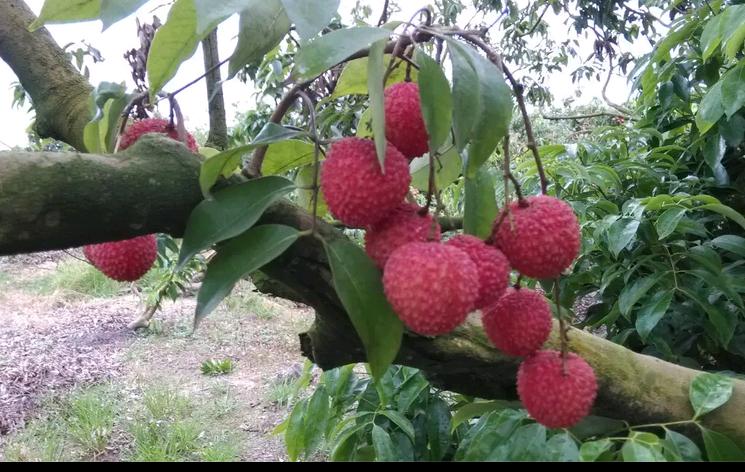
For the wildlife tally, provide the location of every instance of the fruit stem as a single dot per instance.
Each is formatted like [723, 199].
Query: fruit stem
[508, 176]
[316, 154]
[562, 328]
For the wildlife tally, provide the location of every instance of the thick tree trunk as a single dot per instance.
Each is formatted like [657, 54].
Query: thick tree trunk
[75, 199]
[59, 93]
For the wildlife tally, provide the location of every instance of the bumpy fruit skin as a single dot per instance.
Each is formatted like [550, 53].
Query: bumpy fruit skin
[153, 125]
[126, 260]
[404, 125]
[553, 399]
[404, 225]
[432, 287]
[540, 239]
[356, 191]
[492, 265]
[518, 323]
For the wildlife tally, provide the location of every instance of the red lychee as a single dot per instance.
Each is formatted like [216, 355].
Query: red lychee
[519, 322]
[153, 125]
[126, 260]
[404, 225]
[540, 239]
[404, 125]
[555, 397]
[493, 267]
[357, 192]
[432, 287]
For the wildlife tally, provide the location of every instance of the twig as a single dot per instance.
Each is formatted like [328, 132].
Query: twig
[584, 116]
[615, 106]
[538, 22]
[76, 257]
[206, 73]
[316, 153]
[562, 327]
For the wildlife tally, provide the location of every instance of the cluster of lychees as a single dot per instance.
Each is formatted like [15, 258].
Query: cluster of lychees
[433, 286]
[130, 259]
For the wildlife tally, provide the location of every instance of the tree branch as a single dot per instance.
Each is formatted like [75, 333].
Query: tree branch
[59, 93]
[218, 134]
[583, 116]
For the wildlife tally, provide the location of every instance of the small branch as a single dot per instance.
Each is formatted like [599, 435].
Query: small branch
[206, 73]
[218, 132]
[384, 15]
[615, 106]
[316, 153]
[538, 22]
[253, 167]
[584, 116]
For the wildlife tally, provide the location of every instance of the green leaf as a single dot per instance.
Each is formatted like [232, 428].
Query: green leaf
[436, 100]
[668, 221]
[711, 37]
[375, 72]
[115, 10]
[475, 409]
[401, 421]
[720, 448]
[562, 448]
[710, 109]
[642, 447]
[358, 284]
[262, 26]
[274, 133]
[592, 450]
[66, 11]
[733, 34]
[210, 12]
[733, 90]
[724, 210]
[295, 432]
[723, 322]
[634, 292]
[353, 78]
[287, 155]
[239, 257]
[384, 451]
[680, 448]
[652, 312]
[222, 164]
[438, 429]
[480, 205]
[528, 443]
[491, 431]
[731, 243]
[174, 42]
[346, 442]
[674, 38]
[621, 234]
[466, 96]
[229, 212]
[733, 130]
[708, 392]
[316, 420]
[713, 150]
[494, 107]
[330, 49]
[448, 168]
[310, 18]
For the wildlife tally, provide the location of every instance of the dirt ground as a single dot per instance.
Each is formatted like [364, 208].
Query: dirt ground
[51, 343]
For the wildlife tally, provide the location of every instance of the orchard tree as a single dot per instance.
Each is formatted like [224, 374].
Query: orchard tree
[403, 129]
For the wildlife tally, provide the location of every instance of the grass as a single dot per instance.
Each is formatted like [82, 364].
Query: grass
[217, 367]
[245, 302]
[75, 278]
[160, 425]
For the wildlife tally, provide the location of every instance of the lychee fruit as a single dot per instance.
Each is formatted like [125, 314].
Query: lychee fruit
[404, 124]
[519, 322]
[556, 395]
[153, 125]
[404, 225]
[126, 260]
[432, 287]
[357, 192]
[539, 236]
[492, 265]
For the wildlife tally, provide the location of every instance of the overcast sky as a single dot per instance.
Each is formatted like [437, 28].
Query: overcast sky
[238, 96]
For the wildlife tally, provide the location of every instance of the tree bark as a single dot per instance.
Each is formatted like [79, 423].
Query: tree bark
[77, 199]
[218, 134]
[59, 93]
